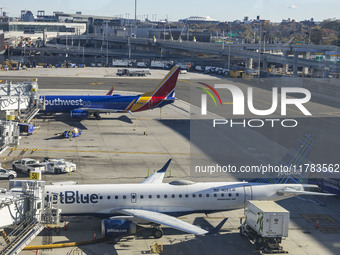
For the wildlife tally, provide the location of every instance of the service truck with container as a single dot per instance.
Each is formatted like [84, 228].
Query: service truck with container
[266, 223]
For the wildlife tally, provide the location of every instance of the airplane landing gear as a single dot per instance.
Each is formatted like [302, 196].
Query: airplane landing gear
[97, 116]
[157, 232]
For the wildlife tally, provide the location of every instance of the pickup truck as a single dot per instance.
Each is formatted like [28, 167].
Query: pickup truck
[58, 166]
[27, 165]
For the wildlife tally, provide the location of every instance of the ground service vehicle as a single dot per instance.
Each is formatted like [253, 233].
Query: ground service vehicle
[133, 72]
[26, 128]
[266, 223]
[7, 174]
[58, 166]
[27, 165]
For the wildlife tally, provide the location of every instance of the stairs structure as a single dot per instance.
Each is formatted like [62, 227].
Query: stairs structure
[21, 236]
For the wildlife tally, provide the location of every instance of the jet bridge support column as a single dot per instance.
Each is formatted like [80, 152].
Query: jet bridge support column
[249, 63]
[295, 65]
[305, 70]
[285, 66]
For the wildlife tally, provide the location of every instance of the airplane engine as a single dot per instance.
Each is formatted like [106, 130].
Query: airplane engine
[79, 114]
[118, 226]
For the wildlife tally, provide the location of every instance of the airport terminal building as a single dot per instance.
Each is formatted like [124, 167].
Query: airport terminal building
[17, 28]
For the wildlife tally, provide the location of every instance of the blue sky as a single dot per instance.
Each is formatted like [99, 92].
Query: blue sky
[222, 10]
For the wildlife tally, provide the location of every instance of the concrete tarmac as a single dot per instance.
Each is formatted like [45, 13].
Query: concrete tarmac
[126, 149]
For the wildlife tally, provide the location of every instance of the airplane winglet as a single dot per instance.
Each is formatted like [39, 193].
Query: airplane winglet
[157, 177]
[217, 229]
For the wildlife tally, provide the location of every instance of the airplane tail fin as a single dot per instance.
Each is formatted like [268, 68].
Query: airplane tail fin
[158, 176]
[217, 229]
[110, 91]
[167, 86]
[296, 156]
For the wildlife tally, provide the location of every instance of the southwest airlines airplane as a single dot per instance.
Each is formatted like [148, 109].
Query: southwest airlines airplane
[153, 202]
[82, 106]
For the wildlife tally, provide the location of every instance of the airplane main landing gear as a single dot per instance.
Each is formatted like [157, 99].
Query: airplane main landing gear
[157, 232]
[96, 115]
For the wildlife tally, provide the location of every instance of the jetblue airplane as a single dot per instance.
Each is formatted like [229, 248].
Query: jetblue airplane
[82, 106]
[125, 206]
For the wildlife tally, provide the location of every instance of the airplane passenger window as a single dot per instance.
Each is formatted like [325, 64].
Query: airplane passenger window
[173, 196]
[124, 197]
[141, 196]
[207, 195]
[108, 197]
[180, 195]
[186, 195]
[100, 197]
[229, 194]
[237, 194]
[158, 196]
[116, 197]
[165, 196]
[200, 195]
[222, 195]
[215, 195]
[193, 195]
[150, 196]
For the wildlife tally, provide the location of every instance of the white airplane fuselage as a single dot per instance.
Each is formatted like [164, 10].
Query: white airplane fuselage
[102, 200]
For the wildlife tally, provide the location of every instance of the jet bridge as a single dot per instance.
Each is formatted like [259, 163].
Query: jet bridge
[9, 134]
[22, 98]
[19, 102]
[24, 207]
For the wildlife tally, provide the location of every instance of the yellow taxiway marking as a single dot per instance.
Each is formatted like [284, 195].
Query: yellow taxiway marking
[124, 152]
[187, 81]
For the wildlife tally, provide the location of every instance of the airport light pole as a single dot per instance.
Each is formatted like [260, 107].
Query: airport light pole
[107, 44]
[136, 18]
[259, 51]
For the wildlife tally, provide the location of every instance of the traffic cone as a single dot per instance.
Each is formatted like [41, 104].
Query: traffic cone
[317, 224]
[94, 236]
[65, 228]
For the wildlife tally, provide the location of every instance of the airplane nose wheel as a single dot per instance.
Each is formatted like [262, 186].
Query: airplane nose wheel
[157, 233]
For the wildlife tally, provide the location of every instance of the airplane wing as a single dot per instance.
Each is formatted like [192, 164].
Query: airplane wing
[164, 219]
[302, 192]
[157, 177]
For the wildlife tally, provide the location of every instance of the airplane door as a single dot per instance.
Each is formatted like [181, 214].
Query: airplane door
[248, 193]
[133, 198]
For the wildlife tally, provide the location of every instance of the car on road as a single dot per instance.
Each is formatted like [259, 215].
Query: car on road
[7, 174]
